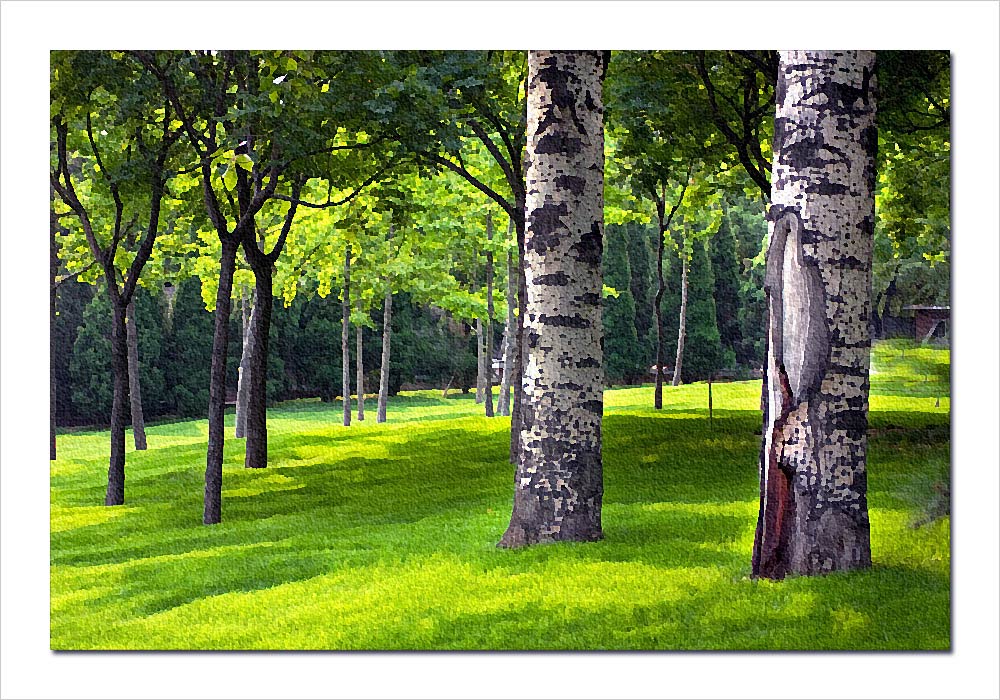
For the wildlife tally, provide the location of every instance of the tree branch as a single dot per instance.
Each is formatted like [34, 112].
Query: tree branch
[507, 206]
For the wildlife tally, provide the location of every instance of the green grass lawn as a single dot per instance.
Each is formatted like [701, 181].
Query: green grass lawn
[382, 536]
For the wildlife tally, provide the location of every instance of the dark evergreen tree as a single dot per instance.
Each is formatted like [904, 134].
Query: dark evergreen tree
[726, 270]
[623, 354]
[187, 352]
[703, 346]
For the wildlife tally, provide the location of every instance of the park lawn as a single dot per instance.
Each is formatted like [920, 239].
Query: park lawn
[382, 536]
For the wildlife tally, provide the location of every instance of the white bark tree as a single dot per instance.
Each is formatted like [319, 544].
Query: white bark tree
[558, 485]
[813, 503]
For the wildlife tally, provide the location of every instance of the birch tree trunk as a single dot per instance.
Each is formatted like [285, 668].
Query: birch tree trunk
[813, 497]
[558, 485]
[489, 318]
[383, 380]
[360, 362]
[345, 339]
[480, 363]
[243, 383]
[682, 322]
[134, 392]
[508, 339]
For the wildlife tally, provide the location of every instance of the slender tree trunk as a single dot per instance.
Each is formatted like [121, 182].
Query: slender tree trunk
[682, 323]
[217, 388]
[658, 312]
[558, 485]
[519, 349]
[508, 339]
[134, 392]
[256, 407]
[345, 337]
[243, 384]
[115, 495]
[383, 380]
[813, 502]
[489, 318]
[480, 363]
[360, 362]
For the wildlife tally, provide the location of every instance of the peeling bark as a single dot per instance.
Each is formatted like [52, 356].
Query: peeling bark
[814, 511]
[134, 392]
[558, 486]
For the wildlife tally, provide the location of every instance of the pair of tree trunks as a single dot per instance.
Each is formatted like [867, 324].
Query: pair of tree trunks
[243, 383]
[813, 471]
[558, 485]
[134, 391]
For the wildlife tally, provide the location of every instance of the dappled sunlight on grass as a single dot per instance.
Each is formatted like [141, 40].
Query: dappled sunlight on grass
[383, 537]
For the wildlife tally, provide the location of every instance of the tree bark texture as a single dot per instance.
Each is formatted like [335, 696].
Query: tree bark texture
[508, 339]
[115, 495]
[243, 383]
[217, 387]
[360, 362]
[813, 502]
[558, 486]
[345, 338]
[383, 380]
[681, 323]
[489, 318]
[256, 407]
[658, 299]
[134, 392]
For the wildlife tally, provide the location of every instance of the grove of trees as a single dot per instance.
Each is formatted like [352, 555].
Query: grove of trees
[372, 220]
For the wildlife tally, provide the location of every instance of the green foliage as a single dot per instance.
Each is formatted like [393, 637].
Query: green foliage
[308, 558]
[726, 273]
[187, 352]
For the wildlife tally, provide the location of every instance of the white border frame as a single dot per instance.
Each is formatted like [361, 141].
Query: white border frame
[31, 29]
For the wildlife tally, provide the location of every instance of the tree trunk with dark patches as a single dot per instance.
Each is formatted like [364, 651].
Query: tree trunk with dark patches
[383, 380]
[813, 503]
[489, 318]
[682, 322]
[558, 486]
[260, 330]
[134, 392]
[658, 300]
[217, 387]
[508, 340]
[115, 495]
[243, 383]
[360, 362]
[345, 338]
